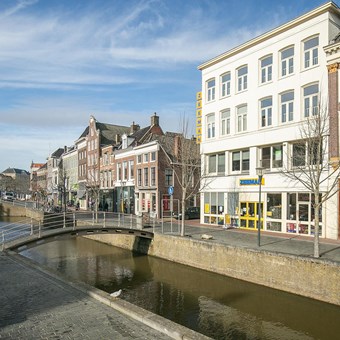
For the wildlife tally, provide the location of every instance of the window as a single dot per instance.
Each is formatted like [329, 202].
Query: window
[287, 61]
[125, 170]
[139, 159]
[266, 112]
[132, 170]
[153, 156]
[139, 177]
[271, 157]
[211, 125]
[216, 163]
[242, 118]
[225, 122]
[299, 154]
[146, 157]
[240, 160]
[153, 176]
[266, 69]
[168, 177]
[287, 107]
[146, 177]
[310, 48]
[210, 90]
[242, 78]
[119, 171]
[225, 84]
[310, 100]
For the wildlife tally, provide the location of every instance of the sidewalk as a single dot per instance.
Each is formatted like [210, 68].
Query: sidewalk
[279, 243]
[37, 304]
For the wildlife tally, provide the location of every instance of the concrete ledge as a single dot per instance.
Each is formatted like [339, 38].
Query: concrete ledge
[163, 325]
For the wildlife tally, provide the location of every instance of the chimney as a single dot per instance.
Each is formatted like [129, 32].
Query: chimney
[118, 138]
[154, 120]
[177, 145]
[133, 128]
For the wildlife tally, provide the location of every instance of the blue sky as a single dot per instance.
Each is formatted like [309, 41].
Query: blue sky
[118, 60]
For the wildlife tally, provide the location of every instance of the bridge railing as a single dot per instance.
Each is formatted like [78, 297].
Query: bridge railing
[74, 220]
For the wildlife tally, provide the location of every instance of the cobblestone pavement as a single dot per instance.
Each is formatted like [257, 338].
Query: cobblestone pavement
[34, 305]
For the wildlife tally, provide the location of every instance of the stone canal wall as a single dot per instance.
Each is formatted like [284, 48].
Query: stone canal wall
[313, 278]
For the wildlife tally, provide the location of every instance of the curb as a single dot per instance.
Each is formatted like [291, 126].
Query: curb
[154, 321]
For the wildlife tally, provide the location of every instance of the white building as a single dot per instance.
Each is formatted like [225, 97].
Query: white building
[254, 98]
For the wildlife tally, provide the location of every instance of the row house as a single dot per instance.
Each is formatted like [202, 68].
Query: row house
[254, 99]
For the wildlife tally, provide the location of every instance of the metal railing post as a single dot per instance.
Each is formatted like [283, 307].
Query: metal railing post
[39, 235]
[32, 231]
[131, 221]
[92, 218]
[74, 221]
[64, 226]
[104, 222]
[118, 219]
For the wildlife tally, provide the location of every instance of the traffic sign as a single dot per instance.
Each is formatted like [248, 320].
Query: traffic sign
[171, 190]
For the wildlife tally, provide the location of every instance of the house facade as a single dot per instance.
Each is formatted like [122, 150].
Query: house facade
[253, 100]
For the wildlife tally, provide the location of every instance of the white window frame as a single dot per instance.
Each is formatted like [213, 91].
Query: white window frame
[242, 78]
[266, 112]
[211, 125]
[311, 52]
[287, 61]
[225, 122]
[241, 159]
[310, 101]
[241, 115]
[287, 107]
[225, 84]
[266, 69]
[211, 88]
[275, 160]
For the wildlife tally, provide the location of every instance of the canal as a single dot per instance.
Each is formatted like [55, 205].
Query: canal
[214, 305]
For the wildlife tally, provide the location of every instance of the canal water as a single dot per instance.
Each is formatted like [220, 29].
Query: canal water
[214, 305]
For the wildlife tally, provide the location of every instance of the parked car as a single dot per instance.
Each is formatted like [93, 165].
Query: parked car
[8, 196]
[190, 213]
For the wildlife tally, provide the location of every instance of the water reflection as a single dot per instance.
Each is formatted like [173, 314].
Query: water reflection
[220, 307]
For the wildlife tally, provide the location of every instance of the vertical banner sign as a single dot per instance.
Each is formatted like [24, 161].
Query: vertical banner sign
[199, 117]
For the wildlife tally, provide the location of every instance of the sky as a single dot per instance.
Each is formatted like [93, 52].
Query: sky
[62, 61]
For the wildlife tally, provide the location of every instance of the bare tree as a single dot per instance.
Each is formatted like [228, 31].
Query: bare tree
[185, 162]
[311, 165]
[93, 187]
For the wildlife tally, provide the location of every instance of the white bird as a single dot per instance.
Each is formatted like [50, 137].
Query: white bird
[116, 294]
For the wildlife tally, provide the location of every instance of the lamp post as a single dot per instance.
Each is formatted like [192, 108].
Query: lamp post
[259, 172]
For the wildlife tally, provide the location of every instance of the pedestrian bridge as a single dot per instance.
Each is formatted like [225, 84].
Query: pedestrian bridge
[27, 233]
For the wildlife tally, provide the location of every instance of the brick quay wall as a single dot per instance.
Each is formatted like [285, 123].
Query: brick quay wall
[314, 278]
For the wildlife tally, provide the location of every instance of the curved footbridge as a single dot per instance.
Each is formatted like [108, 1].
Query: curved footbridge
[45, 236]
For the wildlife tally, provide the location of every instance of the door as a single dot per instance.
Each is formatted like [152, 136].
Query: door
[303, 218]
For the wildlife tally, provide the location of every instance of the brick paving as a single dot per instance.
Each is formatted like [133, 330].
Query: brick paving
[35, 305]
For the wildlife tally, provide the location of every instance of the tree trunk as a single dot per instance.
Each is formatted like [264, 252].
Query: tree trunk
[183, 211]
[316, 227]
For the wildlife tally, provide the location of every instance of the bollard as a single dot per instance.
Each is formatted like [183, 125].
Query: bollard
[92, 218]
[3, 241]
[104, 222]
[74, 221]
[39, 235]
[118, 219]
[64, 226]
[131, 221]
[32, 226]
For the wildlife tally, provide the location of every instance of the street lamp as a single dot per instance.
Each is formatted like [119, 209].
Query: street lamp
[259, 172]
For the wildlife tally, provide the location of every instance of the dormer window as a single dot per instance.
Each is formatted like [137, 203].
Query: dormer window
[124, 141]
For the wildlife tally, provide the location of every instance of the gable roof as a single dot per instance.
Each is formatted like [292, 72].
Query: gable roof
[108, 132]
[15, 171]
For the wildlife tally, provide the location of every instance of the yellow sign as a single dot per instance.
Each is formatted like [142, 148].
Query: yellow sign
[207, 208]
[199, 113]
[198, 122]
[199, 95]
[198, 131]
[199, 104]
[198, 117]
